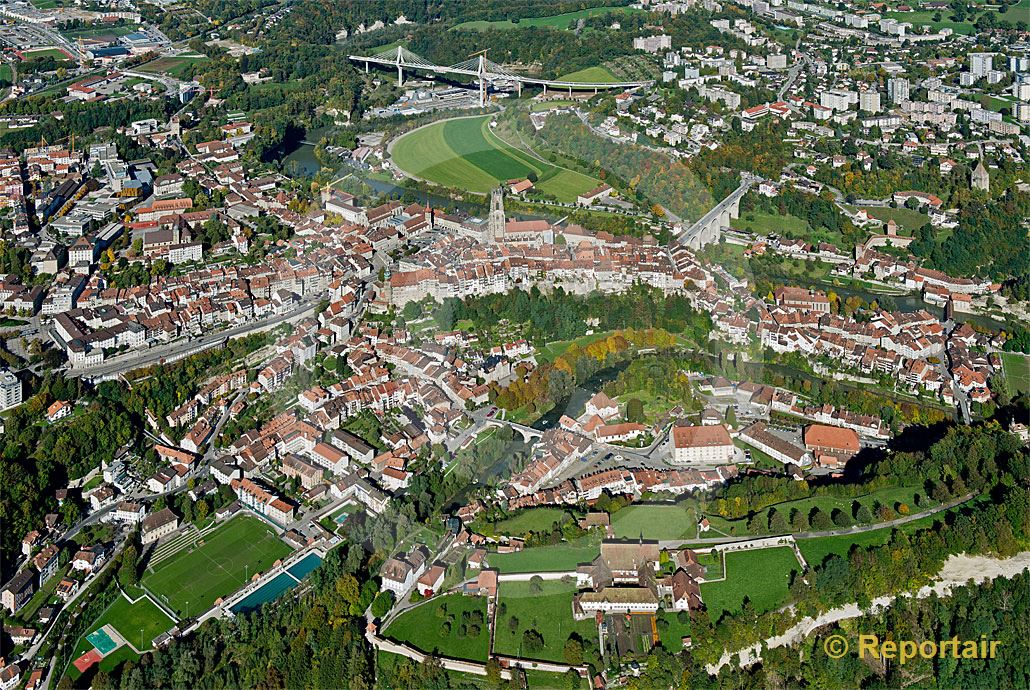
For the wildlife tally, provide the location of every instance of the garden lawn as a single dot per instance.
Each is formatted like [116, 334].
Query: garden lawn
[672, 521]
[422, 628]
[907, 218]
[532, 520]
[219, 564]
[545, 559]
[548, 612]
[671, 631]
[762, 576]
[765, 223]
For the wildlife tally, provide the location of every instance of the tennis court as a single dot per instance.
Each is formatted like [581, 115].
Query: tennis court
[215, 565]
[102, 641]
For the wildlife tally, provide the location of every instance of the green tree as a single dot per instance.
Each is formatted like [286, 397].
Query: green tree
[382, 603]
[127, 570]
[635, 410]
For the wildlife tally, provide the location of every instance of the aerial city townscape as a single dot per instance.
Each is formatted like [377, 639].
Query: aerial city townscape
[492, 344]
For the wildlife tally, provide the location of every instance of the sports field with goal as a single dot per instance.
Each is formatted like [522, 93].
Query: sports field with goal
[215, 564]
[465, 153]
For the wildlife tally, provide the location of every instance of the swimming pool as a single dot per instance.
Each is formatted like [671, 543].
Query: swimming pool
[277, 586]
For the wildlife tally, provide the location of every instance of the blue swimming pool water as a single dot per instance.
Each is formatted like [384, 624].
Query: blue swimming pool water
[304, 567]
[277, 586]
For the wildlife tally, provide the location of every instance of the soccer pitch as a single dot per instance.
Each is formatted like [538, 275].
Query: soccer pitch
[219, 563]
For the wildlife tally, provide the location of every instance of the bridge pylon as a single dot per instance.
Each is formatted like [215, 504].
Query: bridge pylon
[482, 81]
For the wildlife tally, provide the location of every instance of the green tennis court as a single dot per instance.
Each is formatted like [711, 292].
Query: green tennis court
[102, 641]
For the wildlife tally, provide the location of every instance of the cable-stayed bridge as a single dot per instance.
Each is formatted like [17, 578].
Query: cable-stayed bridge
[481, 69]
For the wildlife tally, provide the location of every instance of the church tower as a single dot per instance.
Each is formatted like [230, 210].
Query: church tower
[495, 224]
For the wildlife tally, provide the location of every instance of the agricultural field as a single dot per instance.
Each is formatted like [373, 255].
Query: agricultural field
[548, 612]
[465, 154]
[219, 563]
[172, 66]
[762, 576]
[437, 626]
[557, 21]
[1017, 371]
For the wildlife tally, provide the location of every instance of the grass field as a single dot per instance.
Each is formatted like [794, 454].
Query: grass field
[594, 75]
[888, 496]
[173, 66]
[816, 550]
[557, 21]
[422, 627]
[765, 223]
[905, 217]
[671, 630]
[555, 349]
[762, 576]
[548, 612]
[532, 520]
[655, 522]
[543, 559]
[191, 580]
[138, 623]
[44, 52]
[540, 106]
[925, 18]
[466, 154]
[1017, 371]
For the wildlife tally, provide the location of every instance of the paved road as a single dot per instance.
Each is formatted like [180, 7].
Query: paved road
[154, 355]
[792, 75]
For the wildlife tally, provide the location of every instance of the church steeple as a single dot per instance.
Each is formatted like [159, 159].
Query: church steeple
[496, 221]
